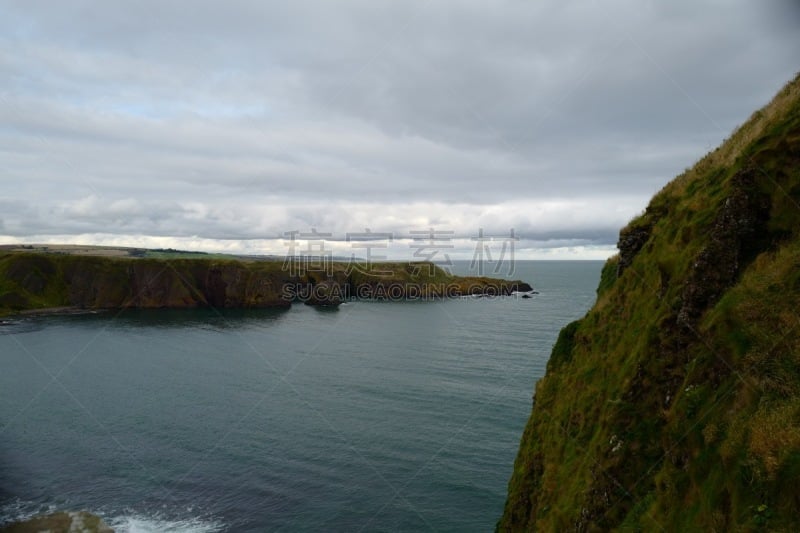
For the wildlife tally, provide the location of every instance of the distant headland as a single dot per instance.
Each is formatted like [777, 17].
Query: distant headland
[70, 278]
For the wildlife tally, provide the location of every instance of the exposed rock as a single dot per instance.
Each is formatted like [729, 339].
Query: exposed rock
[736, 233]
[61, 522]
[631, 240]
[324, 294]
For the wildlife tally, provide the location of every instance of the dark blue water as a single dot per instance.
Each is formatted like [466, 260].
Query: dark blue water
[376, 416]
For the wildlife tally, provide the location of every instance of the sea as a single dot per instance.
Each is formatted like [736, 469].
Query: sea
[373, 416]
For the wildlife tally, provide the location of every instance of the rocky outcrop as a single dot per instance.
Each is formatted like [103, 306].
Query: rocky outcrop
[61, 522]
[631, 240]
[738, 233]
[323, 294]
[635, 235]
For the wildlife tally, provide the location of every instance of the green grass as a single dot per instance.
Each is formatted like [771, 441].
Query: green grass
[644, 421]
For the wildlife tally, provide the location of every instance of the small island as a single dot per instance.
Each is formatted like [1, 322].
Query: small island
[63, 279]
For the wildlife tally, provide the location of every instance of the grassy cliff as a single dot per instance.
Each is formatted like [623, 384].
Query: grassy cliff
[674, 404]
[32, 281]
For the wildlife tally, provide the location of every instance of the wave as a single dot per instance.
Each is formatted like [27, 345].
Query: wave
[135, 523]
[122, 522]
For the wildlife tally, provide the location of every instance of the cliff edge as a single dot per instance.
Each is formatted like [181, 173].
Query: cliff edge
[674, 404]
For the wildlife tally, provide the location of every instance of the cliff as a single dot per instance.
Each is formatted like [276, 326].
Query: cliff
[35, 280]
[674, 404]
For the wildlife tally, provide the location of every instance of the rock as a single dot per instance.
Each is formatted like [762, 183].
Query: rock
[631, 240]
[519, 286]
[61, 522]
[324, 293]
[732, 244]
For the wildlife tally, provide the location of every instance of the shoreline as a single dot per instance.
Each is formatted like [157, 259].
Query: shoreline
[12, 317]
[66, 310]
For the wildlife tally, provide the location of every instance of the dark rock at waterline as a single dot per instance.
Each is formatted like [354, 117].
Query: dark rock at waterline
[61, 522]
[324, 294]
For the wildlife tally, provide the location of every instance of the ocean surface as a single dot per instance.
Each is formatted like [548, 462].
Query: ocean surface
[376, 416]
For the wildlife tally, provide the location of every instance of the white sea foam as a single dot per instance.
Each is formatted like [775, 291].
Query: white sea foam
[153, 524]
[19, 510]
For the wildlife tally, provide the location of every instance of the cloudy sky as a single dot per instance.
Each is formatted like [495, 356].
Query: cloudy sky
[225, 125]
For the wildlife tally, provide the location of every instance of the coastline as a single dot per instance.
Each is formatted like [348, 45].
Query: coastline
[41, 284]
[61, 310]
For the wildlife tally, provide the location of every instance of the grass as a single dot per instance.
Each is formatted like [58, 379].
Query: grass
[643, 420]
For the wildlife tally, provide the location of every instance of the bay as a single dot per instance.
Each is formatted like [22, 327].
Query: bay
[376, 416]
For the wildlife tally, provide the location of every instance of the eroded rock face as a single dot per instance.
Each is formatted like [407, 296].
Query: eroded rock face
[157, 286]
[631, 240]
[61, 522]
[152, 284]
[635, 235]
[736, 236]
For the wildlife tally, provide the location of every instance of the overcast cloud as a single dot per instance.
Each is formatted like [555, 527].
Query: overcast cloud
[223, 125]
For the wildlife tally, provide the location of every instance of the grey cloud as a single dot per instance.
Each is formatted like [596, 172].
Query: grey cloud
[238, 120]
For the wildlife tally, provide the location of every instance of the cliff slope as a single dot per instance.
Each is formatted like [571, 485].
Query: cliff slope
[674, 404]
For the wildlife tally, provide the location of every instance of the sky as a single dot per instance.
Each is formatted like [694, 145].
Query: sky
[266, 127]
